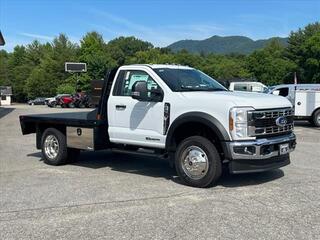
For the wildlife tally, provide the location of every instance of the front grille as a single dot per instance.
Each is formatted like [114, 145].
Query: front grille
[266, 122]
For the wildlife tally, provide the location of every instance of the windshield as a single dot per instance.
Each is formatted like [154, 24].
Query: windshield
[268, 90]
[182, 80]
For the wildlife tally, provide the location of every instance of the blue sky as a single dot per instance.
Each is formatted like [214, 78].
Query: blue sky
[158, 21]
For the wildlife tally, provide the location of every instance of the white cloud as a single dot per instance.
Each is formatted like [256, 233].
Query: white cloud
[36, 36]
[158, 35]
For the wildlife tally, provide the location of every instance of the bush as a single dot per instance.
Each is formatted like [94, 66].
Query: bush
[66, 88]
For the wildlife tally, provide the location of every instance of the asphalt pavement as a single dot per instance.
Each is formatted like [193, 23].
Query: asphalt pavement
[116, 196]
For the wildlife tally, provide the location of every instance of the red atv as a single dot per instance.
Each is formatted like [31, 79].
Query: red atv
[65, 101]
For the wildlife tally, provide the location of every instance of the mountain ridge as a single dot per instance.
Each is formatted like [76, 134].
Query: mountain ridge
[224, 44]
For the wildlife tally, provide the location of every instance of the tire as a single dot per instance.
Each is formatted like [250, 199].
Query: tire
[209, 169]
[316, 118]
[54, 147]
[73, 155]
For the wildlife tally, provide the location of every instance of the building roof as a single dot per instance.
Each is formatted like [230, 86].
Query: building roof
[5, 90]
[2, 42]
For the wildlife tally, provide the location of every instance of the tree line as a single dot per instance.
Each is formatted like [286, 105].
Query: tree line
[37, 69]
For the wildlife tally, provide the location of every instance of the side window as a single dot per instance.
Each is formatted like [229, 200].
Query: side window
[284, 92]
[127, 78]
[240, 87]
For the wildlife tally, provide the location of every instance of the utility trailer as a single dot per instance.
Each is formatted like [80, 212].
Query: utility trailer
[307, 105]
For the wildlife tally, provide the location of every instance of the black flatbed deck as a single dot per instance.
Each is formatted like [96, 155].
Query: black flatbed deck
[76, 119]
[35, 123]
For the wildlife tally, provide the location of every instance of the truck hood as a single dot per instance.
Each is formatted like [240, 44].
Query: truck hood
[241, 99]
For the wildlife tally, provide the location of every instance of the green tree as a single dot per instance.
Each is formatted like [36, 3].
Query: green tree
[223, 67]
[50, 72]
[93, 52]
[303, 49]
[18, 72]
[123, 47]
[151, 56]
[40, 84]
[4, 70]
[269, 64]
[66, 88]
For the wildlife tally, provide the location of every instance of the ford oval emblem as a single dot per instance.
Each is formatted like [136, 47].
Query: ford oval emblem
[281, 121]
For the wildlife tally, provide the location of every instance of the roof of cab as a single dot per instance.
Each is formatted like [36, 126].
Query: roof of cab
[155, 66]
[297, 85]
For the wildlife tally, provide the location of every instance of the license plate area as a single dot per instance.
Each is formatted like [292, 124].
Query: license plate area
[284, 148]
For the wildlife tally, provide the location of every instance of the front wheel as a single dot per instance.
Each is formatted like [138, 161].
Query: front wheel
[197, 162]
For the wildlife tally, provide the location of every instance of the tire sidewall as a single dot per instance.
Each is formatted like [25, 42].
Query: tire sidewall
[315, 116]
[62, 154]
[214, 161]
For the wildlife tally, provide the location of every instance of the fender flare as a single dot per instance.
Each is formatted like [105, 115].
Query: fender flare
[197, 117]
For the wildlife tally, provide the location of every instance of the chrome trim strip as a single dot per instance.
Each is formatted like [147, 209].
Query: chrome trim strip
[258, 144]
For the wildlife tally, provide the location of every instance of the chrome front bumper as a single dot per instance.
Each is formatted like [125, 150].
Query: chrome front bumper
[263, 148]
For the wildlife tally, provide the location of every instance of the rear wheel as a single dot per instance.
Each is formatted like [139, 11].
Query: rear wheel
[55, 150]
[316, 118]
[54, 147]
[197, 162]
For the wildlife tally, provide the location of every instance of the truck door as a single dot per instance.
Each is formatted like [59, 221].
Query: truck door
[131, 121]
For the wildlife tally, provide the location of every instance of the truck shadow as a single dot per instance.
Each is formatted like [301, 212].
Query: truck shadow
[239, 180]
[133, 164]
[5, 111]
[305, 124]
[155, 167]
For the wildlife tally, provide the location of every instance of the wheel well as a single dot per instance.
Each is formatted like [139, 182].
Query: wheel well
[40, 128]
[189, 129]
[314, 111]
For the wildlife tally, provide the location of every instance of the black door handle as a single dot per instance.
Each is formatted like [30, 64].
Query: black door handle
[121, 107]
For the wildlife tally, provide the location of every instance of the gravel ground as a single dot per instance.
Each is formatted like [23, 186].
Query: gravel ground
[117, 196]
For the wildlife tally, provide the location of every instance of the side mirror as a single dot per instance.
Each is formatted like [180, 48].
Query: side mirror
[139, 91]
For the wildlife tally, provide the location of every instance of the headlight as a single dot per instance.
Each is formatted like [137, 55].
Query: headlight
[238, 123]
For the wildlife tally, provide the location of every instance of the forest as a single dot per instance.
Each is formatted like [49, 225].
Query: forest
[37, 69]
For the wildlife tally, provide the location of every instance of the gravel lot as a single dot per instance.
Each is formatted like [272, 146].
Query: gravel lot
[113, 196]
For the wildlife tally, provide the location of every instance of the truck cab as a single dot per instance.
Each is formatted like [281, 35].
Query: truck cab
[180, 114]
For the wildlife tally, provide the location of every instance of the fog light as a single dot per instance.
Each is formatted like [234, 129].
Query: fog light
[250, 150]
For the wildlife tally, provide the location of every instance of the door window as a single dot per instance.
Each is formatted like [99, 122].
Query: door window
[284, 92]
[241, 87]
[127, 78]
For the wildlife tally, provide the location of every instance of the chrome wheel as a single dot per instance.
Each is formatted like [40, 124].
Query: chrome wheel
[194, 162]
[318, 119]
[51, 146]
